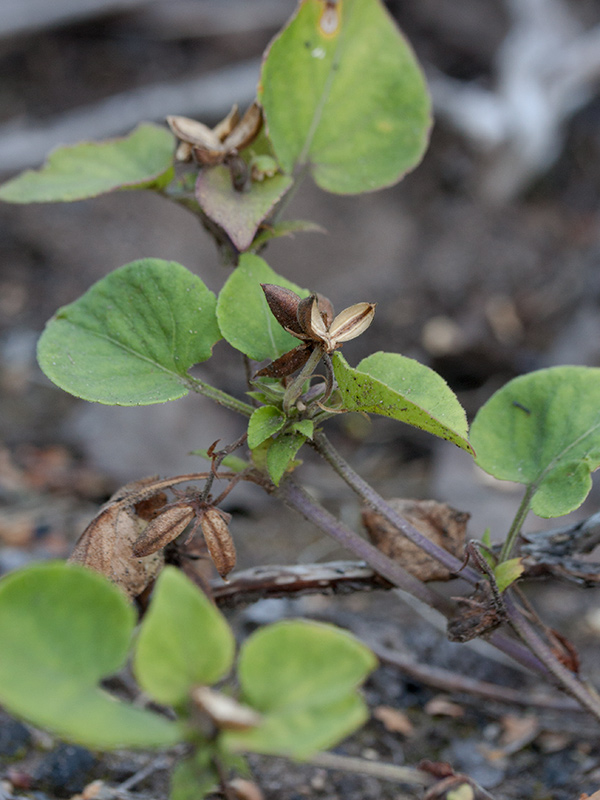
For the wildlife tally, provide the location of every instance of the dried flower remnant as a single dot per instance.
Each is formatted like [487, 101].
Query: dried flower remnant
[311, 319]
[175, 518]
[212, 146]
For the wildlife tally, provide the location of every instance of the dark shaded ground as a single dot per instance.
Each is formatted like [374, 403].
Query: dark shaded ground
[480, 293]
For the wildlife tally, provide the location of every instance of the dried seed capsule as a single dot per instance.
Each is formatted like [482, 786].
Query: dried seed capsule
[214, 524]
[225, 712]
[165, 528]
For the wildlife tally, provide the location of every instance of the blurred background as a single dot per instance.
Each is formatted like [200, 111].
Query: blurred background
[483, 261]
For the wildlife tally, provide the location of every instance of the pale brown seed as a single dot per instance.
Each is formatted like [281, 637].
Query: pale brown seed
[214, 524]
[246, 131]
[225, 712]
[351, 322]
[164, 528]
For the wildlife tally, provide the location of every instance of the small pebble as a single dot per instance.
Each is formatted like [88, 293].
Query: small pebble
[64, 771]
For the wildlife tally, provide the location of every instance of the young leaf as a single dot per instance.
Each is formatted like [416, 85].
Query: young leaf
[543, 430]
[395, 386]
[341, 91]
[63, 629]
[508, 572]
[286, 228]
[194, 777]
[90, 169]
[265, 421]
[131, 338]
[238, 213]
[244, 315]
[183, 642]
[281, 454]
[302, 676]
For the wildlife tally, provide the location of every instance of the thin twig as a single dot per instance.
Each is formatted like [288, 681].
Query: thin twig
[567, 679]
[449, 681]
[376, 769]
[295, 496]
[366, 492]
[160, 763]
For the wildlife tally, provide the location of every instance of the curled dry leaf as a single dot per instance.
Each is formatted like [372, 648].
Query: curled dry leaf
[215, 529]
[106, 545]
[394, 720]
[225, 712]
[441, 524]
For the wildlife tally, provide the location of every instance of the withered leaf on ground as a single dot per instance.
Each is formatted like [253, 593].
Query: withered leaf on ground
[106, 545]
[439, 522]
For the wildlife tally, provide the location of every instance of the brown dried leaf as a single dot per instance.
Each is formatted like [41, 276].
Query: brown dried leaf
[441, 524]
[215, 528]
[106, 546]
[394, 720]
[477, 615]
[164, 528]
[286, 364]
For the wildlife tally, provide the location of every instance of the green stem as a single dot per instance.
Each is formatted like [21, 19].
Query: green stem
[517, 523]
[294, 390]
[222, 398]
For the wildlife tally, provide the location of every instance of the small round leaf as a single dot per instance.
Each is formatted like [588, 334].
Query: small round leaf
[64, 628]
[543, 430]
[184, 641]
[131, 338]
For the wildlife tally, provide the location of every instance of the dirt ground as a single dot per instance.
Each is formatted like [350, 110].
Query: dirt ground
[478, 291]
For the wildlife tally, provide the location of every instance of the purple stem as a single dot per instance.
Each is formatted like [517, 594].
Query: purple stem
[297, 497]
[564, 676]
[324, 447]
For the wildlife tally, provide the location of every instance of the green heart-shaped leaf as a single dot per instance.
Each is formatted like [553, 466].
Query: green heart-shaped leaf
[341, 91]
[303, 677]
[395, 386]
[238, 213]
[184, 641]
[543, 430]
[244, 316]
[63, 629]
[264, 422]
[131, 338]
[89, 169]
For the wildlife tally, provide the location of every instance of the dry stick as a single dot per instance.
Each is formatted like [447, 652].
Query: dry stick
[449, 681]
[564, 676]
[377, 769]
[342, 577]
